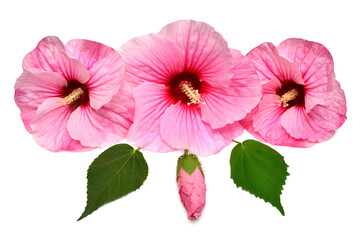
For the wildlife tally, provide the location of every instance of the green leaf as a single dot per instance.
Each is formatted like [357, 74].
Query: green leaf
[260, 170]
[116, 172]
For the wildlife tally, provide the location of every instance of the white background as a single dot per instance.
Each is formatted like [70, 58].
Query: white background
[43, 193]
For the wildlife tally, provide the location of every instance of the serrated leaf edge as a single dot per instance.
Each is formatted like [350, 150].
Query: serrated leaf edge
[257, 196]
[83, 215]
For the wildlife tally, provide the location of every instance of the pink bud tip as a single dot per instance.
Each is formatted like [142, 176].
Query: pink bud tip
[192, 190]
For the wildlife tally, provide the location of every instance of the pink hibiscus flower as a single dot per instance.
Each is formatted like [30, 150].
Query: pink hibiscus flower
[190, 89]
[302, 103]
[68, 95]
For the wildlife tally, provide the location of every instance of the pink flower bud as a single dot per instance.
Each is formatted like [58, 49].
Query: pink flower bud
[192, 190]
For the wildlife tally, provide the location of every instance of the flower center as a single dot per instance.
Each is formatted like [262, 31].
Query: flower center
[75, 94]
[292, 94]
[185, 87]
[287, 97]
[72, 97]
[193, 95]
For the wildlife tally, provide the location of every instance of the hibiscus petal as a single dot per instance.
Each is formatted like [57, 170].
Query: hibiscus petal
[332, 114]
[151, 58]
[223, 106]
[182, 128]
[269, 64]
[247, 123]
[336, 98]
[49, 127]
[272, 86]
[50, 56]
[300, 125]
[105, 66]
[205, 51]
[267, 122]
[103, 127]
[316, 63]
[313, 98]
[327, 118]
[267, 119]
[31, 90]
[151, 101]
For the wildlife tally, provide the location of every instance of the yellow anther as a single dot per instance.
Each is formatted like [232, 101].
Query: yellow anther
[287, 97]
[72, 97]
[193, 95]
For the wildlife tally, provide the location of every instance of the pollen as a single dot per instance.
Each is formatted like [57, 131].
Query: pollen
[287, 97]
[72, 97]
[193, 94]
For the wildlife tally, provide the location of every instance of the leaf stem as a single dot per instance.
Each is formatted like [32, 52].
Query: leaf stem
[186, 152]
[137, 149]
[236, 141]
